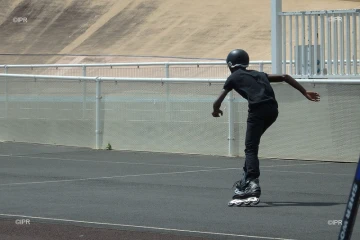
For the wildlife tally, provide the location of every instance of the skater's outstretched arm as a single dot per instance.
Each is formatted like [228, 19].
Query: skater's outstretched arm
[217, 103]
[312, 96]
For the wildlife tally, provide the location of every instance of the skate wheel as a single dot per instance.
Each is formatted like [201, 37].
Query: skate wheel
[256, 202]
[235, 202]
[247, 202]
[231, 203]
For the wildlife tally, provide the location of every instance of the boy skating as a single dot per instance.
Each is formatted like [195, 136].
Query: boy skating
[255, 87]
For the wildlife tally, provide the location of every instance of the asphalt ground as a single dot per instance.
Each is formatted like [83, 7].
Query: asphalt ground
[57, 192]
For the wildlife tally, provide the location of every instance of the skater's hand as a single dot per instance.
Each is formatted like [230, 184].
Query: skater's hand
[312, 96]
[216, 113]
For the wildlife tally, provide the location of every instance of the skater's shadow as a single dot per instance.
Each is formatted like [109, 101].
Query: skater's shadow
[299, 204]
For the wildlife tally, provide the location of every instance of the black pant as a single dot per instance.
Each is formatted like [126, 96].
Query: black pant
[258, 121]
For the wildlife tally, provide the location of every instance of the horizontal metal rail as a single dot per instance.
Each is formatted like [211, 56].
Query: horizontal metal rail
[137, 64]
[124, 64]
[319, 12]
[341, 80]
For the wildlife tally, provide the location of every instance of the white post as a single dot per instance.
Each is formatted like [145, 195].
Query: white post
[341, 46]
[231, 137]
[335, 37]
[290, 45]
[354, 43]
[348, 47]
[303, 64]
[322, 48]
[261, 66]
[167, 70]
[6, 93]
[283, 32]
[84, 92]
[309, 43]
[328, 29]
[167, 104]
[297, 57]
[316, 34]
[276, 8]
[98, 114]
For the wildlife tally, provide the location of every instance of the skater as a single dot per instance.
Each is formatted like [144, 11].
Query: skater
[255, 87]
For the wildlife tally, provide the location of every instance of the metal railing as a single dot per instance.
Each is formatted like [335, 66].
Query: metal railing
[153, 69]
[161, 69]
[181, 107]
[320, 43]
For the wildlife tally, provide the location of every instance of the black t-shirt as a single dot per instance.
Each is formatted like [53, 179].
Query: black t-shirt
[252, 85]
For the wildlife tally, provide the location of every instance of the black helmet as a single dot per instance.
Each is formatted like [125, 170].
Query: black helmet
[237, 58]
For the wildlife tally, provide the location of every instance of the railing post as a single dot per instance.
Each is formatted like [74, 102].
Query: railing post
[98, 114]
[167, 70]
[290, 47]
[354, 44]
[167, 84]
[309, 44]
[297, 55]
[341, 30]
[276, 39]
[303, 64]
[261, 66]
[283, 33]
[231, 134]
[348, 48]
[84, 92]
[6, 93]
[322, 48]
[329, 44]
[335, 46]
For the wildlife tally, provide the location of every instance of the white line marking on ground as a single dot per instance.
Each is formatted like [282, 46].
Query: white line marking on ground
[333, 174]
[94, 161]
[140, 175]
[143, 227]
[292, 165]
[121, 176]
[149, 164]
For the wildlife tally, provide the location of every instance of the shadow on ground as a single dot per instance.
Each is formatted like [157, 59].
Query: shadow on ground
[299, 204]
